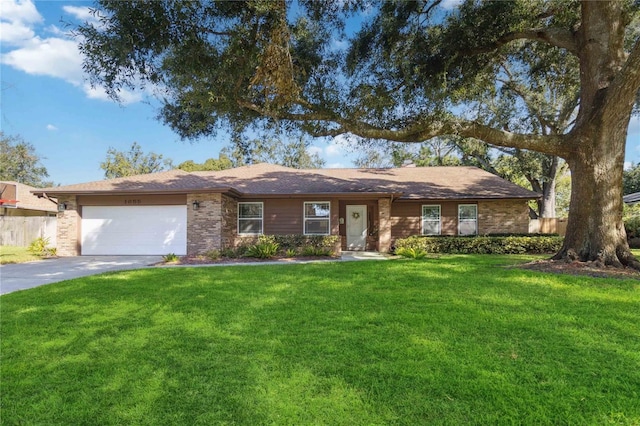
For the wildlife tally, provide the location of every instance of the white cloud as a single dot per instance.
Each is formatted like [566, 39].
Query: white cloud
[333, 150]
[57, 56]
[16, 21]
[312, 150]
[20, 11]
[450, 4]
[628, 165]
[51, 127]
[82, 13]
[54, 57]
[14, 33]
[126, 96]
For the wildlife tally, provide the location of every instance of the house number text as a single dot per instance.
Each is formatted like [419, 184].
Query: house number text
[133, 201]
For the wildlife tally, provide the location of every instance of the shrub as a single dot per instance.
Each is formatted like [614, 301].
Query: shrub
[514, 244]
[171, 257]
[40, 247]
[213, 254]
[290, 252]
[264, 250]
[413, 253]
[228, 252]
[316, 251]
[631, 219]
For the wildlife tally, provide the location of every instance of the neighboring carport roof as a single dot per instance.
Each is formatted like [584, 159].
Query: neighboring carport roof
[632, 198]
[437, 183]
[20, 196]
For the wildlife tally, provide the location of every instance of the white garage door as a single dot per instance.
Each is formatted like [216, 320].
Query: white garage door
[150, 230]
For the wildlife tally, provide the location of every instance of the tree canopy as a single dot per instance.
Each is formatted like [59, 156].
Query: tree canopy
[19, 162]
[411, 71]
[132, 162]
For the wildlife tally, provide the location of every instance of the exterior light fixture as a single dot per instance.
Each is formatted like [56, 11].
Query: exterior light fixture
[196, 204]
[62, 207]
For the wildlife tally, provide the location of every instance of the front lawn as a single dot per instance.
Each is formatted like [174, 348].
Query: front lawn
[454, 340]
[9, 254]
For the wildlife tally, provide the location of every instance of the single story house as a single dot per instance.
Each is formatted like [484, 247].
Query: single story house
[17, 199]
[193, 212]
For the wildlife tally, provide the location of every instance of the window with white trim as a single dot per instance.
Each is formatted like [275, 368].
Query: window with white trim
[467, 219]
[431, 219]
[250, 218]
[316, 218]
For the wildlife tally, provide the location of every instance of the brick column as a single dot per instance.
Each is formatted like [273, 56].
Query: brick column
[384, 225]
[229, 222]
[68, 228]
[204, 225]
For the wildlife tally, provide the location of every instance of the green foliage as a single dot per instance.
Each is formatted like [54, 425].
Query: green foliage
[290, 252]
[213, 254]
[631, 180]
[40, 247]
[631, 219]
[411, 252]
[135, 162]
[19, 162]
[324, 243]
[263, 250]
[294, 153]
[170, 258]
[315, 251]
[211, 164]
[513, 244]
[228, 252]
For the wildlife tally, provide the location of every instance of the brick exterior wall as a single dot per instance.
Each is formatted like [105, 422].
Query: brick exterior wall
[384, 224]
[503, 217]
[229, 222]
[204, 225]
[68, 228]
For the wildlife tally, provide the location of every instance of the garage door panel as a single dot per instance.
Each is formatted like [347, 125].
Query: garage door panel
[110, 230]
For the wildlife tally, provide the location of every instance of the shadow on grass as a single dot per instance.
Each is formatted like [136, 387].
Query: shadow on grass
[452, 340]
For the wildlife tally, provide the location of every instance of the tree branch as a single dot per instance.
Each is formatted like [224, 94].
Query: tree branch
[557, 37]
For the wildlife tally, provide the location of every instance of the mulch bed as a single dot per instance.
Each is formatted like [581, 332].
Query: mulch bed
[202, 260]
[590, 269]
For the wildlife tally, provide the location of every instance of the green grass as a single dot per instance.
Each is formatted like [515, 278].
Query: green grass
[453, 340]
[16, 255]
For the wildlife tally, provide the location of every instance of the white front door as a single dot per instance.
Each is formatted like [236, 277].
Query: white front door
[356, 227]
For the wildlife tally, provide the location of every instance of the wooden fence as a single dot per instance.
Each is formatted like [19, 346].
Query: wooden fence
[548, 226]
[20, 231]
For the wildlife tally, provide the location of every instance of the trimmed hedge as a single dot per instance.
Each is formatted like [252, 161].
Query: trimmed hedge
[268, 246]
[513, 244]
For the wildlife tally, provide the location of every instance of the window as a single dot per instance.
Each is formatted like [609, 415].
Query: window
[431, 220]
[250, 218]
[467, 219]
[316, 218]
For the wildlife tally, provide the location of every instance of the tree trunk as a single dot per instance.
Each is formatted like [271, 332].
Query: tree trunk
[548, 202]
[595, 231]
[596, 146]
[547, 205]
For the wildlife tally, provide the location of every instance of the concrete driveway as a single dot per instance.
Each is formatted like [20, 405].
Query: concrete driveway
[21, 276]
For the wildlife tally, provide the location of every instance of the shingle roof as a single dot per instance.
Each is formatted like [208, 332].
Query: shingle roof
[28, 201]
[267, 179]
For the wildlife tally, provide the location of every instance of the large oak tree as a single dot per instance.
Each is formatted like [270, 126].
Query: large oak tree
[411, 72]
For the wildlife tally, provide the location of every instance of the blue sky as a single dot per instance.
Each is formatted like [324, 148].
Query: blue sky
[46, 100]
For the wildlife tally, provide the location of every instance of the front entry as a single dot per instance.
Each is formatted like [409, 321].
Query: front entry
[356, 227]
